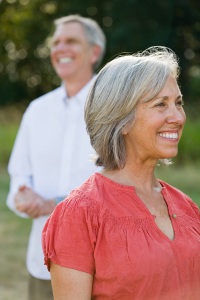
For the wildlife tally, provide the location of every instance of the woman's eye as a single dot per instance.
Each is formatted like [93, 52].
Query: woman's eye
[161, 104]
[180, 103]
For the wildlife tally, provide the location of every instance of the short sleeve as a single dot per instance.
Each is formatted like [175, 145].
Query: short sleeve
[69, 235]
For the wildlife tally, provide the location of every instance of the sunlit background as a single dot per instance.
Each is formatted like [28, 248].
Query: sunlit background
[26, 73]
[129, 25]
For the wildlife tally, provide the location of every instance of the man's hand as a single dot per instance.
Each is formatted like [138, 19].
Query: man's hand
[29, 202]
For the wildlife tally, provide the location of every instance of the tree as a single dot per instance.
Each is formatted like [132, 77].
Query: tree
[130, 26]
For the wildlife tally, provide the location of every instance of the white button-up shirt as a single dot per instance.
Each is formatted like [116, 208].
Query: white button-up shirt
[51, 154]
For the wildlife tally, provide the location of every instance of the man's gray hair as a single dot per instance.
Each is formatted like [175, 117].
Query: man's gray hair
[93, 32]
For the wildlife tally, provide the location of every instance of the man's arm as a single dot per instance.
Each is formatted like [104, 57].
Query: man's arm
[19, 167]
[29, 202]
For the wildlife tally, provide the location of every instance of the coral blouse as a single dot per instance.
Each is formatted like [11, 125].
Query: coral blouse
[103, 228]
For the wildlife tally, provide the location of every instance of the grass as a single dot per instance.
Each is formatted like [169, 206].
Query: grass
[14, 231]
[10, 118]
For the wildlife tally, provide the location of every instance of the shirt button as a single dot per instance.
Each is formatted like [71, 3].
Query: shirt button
[174, 216]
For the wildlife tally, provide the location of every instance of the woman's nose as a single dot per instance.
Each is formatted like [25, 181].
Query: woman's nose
[177, 115]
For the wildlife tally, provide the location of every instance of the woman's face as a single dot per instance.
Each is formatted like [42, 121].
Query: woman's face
[158, 125]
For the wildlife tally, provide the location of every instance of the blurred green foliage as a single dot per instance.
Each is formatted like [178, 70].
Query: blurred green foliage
[10, 118]
[189, 147]
[7, 137]
[130, 26]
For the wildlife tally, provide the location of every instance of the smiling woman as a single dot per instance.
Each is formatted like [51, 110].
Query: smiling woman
[158, 125]
[134, 116]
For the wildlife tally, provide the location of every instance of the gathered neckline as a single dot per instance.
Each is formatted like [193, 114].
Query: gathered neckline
[120, 185]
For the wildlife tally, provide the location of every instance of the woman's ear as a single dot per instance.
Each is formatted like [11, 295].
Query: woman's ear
[125, 129]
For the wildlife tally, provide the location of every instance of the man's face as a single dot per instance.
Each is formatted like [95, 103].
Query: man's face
[71, 54]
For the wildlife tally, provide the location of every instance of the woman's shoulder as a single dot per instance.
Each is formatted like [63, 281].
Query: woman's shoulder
[86, 197]
[180, 199]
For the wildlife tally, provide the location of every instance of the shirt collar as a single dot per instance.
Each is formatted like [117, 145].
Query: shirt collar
[82, 94]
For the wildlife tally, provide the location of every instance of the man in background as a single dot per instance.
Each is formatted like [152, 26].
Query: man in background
[51, 154]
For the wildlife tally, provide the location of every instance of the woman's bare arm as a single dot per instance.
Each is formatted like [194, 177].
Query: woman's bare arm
[70, 284]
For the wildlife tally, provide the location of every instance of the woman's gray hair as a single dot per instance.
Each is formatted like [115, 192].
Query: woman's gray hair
[111, 103]
[93, 32]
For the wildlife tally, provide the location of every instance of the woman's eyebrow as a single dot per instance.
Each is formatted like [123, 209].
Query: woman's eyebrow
[167, 97]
